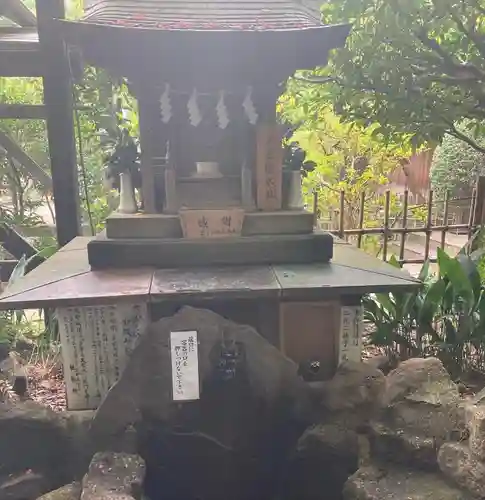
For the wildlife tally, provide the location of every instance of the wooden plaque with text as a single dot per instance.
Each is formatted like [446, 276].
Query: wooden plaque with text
[269, 167]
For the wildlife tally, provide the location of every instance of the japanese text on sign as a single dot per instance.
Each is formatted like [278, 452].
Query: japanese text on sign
[350, 345]
[185, 366]
[212, 227]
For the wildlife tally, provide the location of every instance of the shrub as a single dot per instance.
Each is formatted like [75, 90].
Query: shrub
[445, 317]
[455, 167]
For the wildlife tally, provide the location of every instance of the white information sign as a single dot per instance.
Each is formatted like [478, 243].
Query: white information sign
[351, 326]
[185, 366]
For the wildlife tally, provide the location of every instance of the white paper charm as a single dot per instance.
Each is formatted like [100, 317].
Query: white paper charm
[185, 366]
[195, 116]
[249, 108]
[221, 109]
[165, 105]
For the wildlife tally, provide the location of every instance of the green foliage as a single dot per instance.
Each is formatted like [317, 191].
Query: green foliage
[348, 158]
[456, 166]
[11, 321]
[24, 195]
[445, 317]
[112, 138]
[73, 7]
[414, 68]
[97, 96]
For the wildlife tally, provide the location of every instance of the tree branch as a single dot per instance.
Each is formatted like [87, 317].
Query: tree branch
[477, 6]
[471, 34]
[363, 88]
[423, 37]
[451, 67]
[463, 137]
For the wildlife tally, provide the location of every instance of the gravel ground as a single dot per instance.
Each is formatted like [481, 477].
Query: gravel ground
[49, 390]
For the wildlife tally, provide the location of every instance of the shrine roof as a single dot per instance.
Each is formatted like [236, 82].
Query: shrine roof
[19, 52]
[205, 15]
[127, 36]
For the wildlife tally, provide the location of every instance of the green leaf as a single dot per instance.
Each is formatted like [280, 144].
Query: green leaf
[470, 270]
[385, 301]
[424, 272]
[394, 262]
[431, 303]
[460, 283]
[18, 271]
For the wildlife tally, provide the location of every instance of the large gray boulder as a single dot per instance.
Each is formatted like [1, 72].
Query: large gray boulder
[270, 377]
[235, 438]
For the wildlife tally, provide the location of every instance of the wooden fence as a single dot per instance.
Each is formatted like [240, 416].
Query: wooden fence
[445, 216]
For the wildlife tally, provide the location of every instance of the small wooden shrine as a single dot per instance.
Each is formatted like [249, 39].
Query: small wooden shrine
[207, 77]
[220, 224]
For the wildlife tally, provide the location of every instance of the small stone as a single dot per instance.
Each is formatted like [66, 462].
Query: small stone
[373, 483]
[47, 384]
[422, 400]
[422, 380]
[70, 491]
[400, 447]
[330, 440]
[114, 476]
[477, 432]
[457, 462]
[325, 457]
[381, 362]
[355, 390]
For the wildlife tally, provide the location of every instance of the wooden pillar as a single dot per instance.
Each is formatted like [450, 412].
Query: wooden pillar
[269, 167]
[478, 218]
[269, 153]
[60, 123]
[149, 116]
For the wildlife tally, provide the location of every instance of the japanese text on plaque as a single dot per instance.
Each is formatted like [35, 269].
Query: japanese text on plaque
[185, 366]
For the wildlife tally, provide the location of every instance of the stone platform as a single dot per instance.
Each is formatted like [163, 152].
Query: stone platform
[104, 252]
[133, 226]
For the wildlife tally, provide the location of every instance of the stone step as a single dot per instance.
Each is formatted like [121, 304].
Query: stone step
[145, 226]
[167, 253]
[374, 483]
